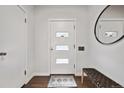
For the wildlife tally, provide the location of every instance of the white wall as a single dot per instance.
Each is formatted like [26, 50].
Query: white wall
[107, 59]
[42, 14]
[115, 11]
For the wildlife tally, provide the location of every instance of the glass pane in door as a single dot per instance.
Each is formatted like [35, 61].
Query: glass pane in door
[62, 47]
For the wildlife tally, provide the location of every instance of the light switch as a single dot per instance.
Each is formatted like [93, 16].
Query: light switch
[81, 48]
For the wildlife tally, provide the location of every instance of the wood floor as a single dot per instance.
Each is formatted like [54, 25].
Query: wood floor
[42, 82]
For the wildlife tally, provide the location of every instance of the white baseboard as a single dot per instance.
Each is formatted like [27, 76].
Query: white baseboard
[29, 78]
[41, 74]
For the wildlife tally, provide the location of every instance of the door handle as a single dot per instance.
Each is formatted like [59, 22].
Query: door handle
[3, 53]
[51, 49]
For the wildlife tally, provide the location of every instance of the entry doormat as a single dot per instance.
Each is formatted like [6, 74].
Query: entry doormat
[61, 81]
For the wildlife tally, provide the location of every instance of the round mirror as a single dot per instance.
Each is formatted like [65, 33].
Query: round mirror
[109, 27]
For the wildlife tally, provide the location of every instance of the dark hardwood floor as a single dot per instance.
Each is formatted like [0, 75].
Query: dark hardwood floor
[42, 82]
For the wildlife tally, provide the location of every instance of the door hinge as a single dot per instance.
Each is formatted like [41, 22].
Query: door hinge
[25, 72]
[74, 66]
[74, 27]
[74, 46]
[25, 20]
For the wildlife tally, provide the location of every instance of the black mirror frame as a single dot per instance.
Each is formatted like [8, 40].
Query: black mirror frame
[96, 26]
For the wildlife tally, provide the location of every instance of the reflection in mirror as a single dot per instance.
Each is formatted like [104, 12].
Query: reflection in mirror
[61, 34]
[109, 27]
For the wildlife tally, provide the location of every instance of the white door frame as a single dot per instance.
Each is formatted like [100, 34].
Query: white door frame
[49, 40]
[27, 51]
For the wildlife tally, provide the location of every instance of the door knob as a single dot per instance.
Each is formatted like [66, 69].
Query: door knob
[51, 49]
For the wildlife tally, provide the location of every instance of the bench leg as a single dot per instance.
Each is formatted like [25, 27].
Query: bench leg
[82, 77]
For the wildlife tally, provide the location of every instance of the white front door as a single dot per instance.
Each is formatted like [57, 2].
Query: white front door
[62, 46]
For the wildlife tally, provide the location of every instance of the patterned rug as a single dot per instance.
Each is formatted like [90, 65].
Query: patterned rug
[59, 81]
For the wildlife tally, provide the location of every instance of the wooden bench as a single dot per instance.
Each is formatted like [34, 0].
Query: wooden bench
[97, 79]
